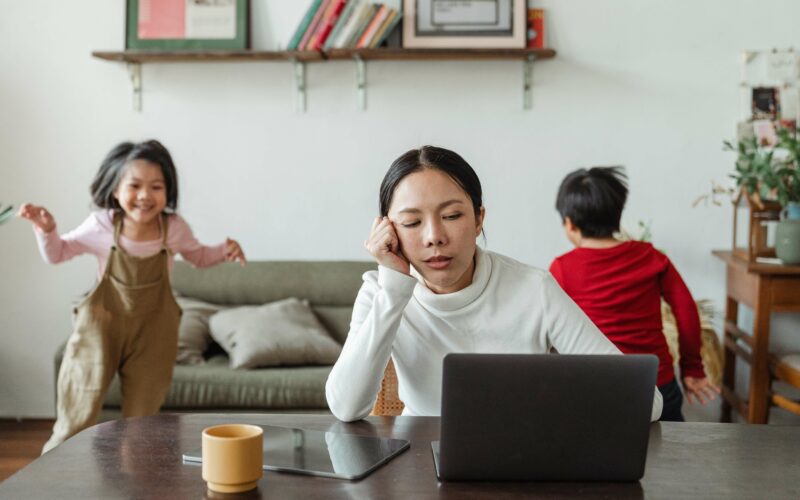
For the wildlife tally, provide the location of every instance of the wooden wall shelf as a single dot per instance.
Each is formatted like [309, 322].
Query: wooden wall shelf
[135, 58]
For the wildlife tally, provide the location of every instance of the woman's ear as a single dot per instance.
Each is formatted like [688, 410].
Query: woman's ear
[479, 222]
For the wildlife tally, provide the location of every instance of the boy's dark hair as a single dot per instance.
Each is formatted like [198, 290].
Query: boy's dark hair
[593, 200]
[113, 167]
[441, 159]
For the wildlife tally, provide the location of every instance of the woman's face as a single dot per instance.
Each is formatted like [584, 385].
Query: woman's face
[436, 225]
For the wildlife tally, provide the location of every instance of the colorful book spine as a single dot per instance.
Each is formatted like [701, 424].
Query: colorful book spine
[327, 24]
[303, 26]
[385, 29]
[340, 24]
[342, 40]
[372, 28]
[312, 27]
[362, 26]
[536, 28]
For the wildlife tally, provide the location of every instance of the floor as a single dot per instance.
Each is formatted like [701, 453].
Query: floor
[21, 442]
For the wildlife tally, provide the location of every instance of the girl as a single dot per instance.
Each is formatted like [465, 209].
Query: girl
[436, 292]
[129, 323]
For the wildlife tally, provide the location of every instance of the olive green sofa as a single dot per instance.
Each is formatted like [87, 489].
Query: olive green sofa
[331, 289]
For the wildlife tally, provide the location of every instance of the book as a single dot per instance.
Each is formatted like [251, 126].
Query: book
[326, 25]
[344, 18]
[536, 28]
[303, 26]
[386, 29]
[356, 26]
[312, 27]
[372, 27]
[327, 6]
[363, 22]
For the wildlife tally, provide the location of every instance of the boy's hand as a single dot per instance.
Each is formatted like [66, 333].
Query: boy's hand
[700, 389]
[233, 252]
[384, 245]
[39, 216]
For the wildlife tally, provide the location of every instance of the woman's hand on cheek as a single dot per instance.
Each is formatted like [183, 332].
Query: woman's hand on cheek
[384, 245]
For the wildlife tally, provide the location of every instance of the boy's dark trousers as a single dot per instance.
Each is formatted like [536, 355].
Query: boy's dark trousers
[673, 398]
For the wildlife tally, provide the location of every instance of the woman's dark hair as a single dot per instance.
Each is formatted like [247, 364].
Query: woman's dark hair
[113, 167]
[441, 159]
[593, 200]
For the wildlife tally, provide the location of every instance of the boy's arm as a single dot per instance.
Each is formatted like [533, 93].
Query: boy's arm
[677, 295]
[181, 240]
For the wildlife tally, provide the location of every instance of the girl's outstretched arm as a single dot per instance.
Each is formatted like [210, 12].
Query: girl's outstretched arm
[39, 216]
[54, 247]
[181, 240]
[233, 252]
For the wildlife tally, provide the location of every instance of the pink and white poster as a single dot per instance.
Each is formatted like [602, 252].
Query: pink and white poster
[187, 19]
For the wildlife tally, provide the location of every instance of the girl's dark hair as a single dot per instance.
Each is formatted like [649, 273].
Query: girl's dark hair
[593, 200]
[113, 167]
[441, 159]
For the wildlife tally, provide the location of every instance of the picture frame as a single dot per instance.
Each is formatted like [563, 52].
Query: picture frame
[448, 24]
[164, 25]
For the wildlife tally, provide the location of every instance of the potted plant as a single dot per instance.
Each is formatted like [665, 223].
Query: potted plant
[767, 183]
[786, 172]
[786, 185]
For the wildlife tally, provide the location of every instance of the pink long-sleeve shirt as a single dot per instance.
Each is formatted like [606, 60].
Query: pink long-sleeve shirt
[96, 236]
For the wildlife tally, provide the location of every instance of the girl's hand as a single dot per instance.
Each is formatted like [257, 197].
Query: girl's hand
[234, 252]
[700, 389]
[384, 245]
[39, 216]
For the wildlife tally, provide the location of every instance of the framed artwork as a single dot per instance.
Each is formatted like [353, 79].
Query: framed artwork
[464, 23]
[187, 25]
[765, 103]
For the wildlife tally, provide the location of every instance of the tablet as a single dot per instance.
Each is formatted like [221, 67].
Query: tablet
[321, 453]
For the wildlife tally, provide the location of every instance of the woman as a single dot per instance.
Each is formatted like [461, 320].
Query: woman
[437, 292]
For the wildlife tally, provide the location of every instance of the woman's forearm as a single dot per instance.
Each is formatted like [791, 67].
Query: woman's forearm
[355, 379]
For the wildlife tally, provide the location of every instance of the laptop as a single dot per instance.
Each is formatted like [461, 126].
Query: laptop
[545, 417]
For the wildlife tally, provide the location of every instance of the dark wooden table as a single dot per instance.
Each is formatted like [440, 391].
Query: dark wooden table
[764, 288]
[141, 458]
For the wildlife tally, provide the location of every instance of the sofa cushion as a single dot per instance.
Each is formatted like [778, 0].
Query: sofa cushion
[193, 333]
[285, 332]
[214, 385]
[329, 286]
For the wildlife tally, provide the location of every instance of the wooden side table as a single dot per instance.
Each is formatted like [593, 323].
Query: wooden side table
[765, 288]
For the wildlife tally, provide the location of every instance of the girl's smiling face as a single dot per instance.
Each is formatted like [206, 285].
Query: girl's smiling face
[142, 192]
[437, 227]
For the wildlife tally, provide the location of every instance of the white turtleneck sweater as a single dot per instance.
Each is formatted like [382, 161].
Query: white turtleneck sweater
[510, 307]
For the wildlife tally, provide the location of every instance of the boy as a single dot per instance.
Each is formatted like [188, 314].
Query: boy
[619, 284]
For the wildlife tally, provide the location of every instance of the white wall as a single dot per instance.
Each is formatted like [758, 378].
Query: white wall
[647, 84]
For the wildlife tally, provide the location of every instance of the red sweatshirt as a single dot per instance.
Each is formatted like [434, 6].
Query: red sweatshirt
[620, 289]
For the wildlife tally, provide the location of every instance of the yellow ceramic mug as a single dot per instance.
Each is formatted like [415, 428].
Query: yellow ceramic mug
[232, 457]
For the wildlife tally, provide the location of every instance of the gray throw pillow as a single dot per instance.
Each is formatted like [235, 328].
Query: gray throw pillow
[193, 334]
[285, 332]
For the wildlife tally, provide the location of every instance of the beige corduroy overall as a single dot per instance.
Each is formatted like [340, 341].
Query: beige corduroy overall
[128, 324]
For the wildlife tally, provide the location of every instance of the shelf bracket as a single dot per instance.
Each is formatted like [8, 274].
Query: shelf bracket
[135, 72]
[361, 82]
[300, 84]
[527, 83]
